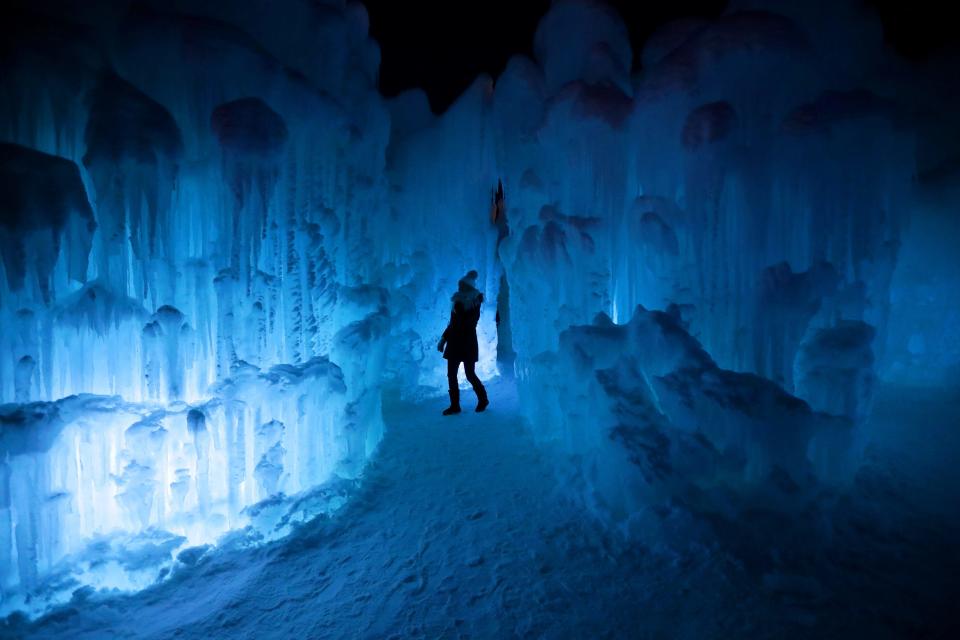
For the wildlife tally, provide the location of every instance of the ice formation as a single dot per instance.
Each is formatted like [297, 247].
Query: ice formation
[220, 243]
[190, 242]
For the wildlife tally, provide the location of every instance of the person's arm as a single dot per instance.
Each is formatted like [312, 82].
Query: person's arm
[444, 337]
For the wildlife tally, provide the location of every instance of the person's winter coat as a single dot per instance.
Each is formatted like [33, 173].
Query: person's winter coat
[460, 335]
[459, 341]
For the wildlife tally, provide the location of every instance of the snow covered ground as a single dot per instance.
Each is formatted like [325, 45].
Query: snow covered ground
[459, 530]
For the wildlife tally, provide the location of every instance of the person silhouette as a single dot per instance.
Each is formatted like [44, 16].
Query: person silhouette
[459, 342]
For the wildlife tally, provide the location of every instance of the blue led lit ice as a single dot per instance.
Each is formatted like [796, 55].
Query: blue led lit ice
[221, 245]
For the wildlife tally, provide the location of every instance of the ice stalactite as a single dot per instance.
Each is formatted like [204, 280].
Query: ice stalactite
[252, 136]
[786, 304]
[133, 147]
[45, 237]
[23, 379]
[269, 452]
[835, 370]
[86, 329]
[46, 209]
[47, 115]
[168, 353]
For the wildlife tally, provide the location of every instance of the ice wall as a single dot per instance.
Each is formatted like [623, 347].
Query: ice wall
[708, 185]
[225, 185]
[191, 285]
[725, 178]
[89, 466]
[754, 181]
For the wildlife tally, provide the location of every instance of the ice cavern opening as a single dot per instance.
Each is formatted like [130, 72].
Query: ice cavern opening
[720, 328]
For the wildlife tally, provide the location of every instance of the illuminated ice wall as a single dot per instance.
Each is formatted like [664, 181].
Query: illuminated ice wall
[704, 255]
[188, 245]
[219, 243]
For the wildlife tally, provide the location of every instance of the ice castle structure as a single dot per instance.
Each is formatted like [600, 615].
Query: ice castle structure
[220, 244]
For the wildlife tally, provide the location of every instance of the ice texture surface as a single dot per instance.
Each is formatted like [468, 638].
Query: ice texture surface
[222, 248]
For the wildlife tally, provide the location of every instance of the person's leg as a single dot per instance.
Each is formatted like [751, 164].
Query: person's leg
[470, 369]
[454, 388]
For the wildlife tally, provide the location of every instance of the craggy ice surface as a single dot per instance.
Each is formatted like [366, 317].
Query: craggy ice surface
[722, 325]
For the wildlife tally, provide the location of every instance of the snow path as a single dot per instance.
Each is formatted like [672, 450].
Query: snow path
[457, 532]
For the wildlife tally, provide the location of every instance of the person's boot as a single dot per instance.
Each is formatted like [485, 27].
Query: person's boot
[454, 403]
[482, 401]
